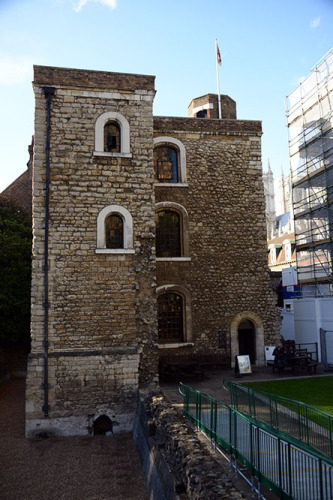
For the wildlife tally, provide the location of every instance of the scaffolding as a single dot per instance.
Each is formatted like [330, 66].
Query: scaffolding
[309, 110]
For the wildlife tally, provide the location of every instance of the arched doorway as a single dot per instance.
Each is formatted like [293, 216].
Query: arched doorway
[258, 342]
[247, 339]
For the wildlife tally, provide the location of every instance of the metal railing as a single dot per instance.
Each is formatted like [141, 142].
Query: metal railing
[305, 423]
[277, 461]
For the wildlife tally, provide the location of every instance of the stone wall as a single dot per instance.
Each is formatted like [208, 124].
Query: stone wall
[175, 463]
[101, 314]
[227, 276]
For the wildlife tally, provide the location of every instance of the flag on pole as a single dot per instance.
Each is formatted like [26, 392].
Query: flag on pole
[218, 62]
[218, 55]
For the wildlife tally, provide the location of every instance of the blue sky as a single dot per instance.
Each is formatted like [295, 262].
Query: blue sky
[267, 47]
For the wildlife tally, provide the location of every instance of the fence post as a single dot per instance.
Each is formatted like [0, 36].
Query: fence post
[235, 442]
[321, 486]
[230, 436]
[289, 471]
[330, 429]
[307, 425]
[198, 409]
[251, 457]
[258, 461]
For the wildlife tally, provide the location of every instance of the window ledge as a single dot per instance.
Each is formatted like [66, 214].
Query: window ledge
[116, 155]
[116, 251]
[173, 259]
[171, 184]
[175, 345]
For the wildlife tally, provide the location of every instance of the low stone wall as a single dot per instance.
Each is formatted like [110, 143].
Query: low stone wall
[175, 463]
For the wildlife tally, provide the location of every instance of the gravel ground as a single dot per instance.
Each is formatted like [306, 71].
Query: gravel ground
[99, 468]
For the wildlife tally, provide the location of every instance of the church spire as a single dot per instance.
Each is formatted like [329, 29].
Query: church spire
[269, 171]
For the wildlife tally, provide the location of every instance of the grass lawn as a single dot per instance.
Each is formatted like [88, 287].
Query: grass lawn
[316, 391]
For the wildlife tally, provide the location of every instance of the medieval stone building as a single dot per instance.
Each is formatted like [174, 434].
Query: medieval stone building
[149, 242]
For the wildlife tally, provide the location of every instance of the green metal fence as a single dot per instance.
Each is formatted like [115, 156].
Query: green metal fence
[299, 420]
[277, 461]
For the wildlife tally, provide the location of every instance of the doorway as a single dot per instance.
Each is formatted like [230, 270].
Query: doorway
[247, 339]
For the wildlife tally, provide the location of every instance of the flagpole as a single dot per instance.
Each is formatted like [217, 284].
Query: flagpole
[218, 80]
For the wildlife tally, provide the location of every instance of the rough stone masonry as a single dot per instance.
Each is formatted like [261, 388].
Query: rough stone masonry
[98, 310]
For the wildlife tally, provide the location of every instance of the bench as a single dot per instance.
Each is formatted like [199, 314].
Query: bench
[298, 362]
[312, 367]
[281, 367]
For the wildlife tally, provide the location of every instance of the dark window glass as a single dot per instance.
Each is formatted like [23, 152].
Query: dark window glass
[168, 234]
[114, 232]
[112, 137]
[170, 317]
[166, 164]
[202, 113]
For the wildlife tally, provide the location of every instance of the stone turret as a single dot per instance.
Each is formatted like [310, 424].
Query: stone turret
[206, 106]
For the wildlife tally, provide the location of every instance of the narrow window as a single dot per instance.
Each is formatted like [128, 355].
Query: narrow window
[114, 231]
[112, 137]
[170, 317]
[166, 164]
[288, 251]
[168, 234]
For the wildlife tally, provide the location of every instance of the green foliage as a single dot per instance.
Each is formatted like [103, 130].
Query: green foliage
[314, 391]
[15, 272]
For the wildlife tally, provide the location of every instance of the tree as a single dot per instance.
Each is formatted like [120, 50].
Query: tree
[15, 272]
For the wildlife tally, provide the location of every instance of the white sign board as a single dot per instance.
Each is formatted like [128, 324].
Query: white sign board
[244, 364]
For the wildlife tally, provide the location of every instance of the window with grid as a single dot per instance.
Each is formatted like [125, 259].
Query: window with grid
[112, 137]
[114, 231]
[166, 164]
[168, 234]
[170, 317]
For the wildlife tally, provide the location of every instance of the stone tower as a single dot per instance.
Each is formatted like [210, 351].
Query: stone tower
[93, 300]
[268, 181]
[206, 106]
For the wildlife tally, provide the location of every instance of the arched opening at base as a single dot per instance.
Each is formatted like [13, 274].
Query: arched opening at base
[247, 339]
[103, 426]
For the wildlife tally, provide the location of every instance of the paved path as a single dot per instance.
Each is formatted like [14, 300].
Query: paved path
[85, 468]
[212, 383]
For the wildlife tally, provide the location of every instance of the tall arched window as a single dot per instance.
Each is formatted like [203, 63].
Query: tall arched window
[169, 161]
[170, 317]
[168, 239]
[112, 137]
[114, 231]
[166, 164]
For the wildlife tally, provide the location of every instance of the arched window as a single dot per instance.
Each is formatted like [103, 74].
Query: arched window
[174, 315]
[172, 232]
[166, 164]
[112, 137]
[168, 240]
[114, 231]
[169, 161]
[202, 113]
[170, 317]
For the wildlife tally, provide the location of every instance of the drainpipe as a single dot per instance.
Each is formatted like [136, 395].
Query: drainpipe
[48, 92]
